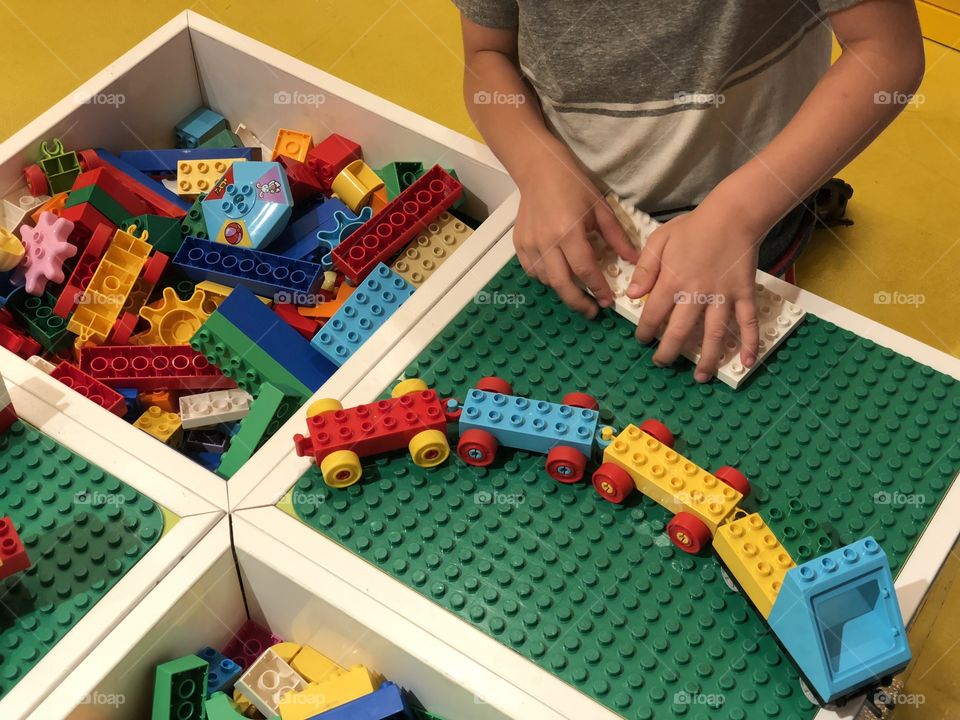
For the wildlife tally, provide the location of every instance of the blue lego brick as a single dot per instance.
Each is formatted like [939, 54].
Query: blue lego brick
[132, 397]
[263, 273]
[200, 125]
[205, 459]
[145, 180]
[373, 302]
[387, 703]
[838, 618]
[223, 671]
[533, 425]
[250, 205]
[275, 337]
[164, 162]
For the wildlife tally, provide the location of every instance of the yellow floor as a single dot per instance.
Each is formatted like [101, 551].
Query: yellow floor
[905, 244]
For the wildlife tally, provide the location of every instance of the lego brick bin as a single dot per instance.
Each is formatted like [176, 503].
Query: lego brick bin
[209, 595]
[192, 61]
[100, 526]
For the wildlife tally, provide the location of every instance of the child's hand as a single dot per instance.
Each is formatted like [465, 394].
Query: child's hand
[700, 265]
[559, 206]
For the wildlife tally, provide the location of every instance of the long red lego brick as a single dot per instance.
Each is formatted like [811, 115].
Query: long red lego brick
[152, 367]
[137, 182]
[387, 232]
[91, 388]
[92, 255]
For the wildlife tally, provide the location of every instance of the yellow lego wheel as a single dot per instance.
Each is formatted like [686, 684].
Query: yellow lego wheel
[408, 386]
[341, 469]
[429, 448]
[323, 405]
[688, 532]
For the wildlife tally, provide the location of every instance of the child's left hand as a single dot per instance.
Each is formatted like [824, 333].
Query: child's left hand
[700, 265]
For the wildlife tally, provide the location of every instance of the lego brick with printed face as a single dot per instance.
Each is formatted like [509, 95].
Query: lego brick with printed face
[533, 425]
[670, 479]
[180, 688]
[397, 224]
[199, 176]
[249, 206]
[267, 680]
[91, 388]
[429, 250]
[209, 409]
[156, 366]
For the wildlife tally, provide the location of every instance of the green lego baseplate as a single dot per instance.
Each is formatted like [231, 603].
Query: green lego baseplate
[82, 529]
[841, 439]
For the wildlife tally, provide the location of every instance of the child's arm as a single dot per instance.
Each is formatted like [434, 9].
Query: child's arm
[559, 205]
[712, 250]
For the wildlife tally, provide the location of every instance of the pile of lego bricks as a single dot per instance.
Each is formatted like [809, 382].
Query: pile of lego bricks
[258, 675]
[204, 292]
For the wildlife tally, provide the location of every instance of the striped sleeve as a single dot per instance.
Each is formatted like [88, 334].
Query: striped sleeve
[490, 13]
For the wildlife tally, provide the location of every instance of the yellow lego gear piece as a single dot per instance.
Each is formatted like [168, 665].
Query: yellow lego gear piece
[341, 469]
[199, 176]
[323, 405]
[755, 558]
[164, 426]
[333, 692]
[11, 250]
[356, 183]
[172, 321]
[313, 666]
[429, 448]
[292, 144]
[429, 250]
[667, 477]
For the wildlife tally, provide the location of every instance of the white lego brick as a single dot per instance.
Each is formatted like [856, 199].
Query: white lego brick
[267, 681]
[17, 206]
[212, 408]
[41, 364]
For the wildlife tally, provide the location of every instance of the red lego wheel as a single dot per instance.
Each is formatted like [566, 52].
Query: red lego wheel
[734, 478]
[88, 159]
[658, 431]
[36, 180]
[688, 532]
[477, 448]
[566, 465]
[612, 482]
[495, 385]
[581, 400]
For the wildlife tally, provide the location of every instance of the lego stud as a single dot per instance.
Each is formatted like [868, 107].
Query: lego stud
[807, 574]
[828, 564]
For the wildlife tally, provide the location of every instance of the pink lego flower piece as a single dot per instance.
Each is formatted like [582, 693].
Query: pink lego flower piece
[46, 249]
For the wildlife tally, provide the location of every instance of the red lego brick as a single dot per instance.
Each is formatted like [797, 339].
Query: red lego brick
[387, 232]
[307, 327]
[159, 205]
[330, 157]
[303, 183]
[86, 219]
[111, 185]
[91, 388]
[13, 555]
[122, 329]
[86, 265]
[372, 429]
[17, 342]
[152, 367]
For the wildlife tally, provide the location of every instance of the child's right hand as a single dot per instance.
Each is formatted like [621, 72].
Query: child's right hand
[559, 207]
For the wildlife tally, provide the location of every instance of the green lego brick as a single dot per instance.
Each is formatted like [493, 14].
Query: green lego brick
[96, 196]
[163, 233]
[61, 171]
[219, 707]
[243, 360]
[83, 530]
[398, 176]
[830, 431]
[193, 223]
[179, 690]
[268, 412]
[223, 139]
[43, 325]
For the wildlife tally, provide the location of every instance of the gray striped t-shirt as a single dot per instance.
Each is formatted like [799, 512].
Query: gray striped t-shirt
[662, 99]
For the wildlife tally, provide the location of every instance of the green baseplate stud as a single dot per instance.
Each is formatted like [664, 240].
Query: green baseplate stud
[841, 438]
[83, 530]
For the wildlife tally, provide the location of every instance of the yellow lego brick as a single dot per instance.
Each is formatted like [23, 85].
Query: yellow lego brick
[287, 651]
[314, 667]
[356, 183]
[198, 176]
[293, 144]
[217, 293]
[109, 287]
[755, 558]
[429, 250]
[333, 692]
[670, 479]
[172, 321]
[11, 250]
[164, 426]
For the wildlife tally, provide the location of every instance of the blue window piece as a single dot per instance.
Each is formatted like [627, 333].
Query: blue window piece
[533, 425]
[223, 671]
[838, 618]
